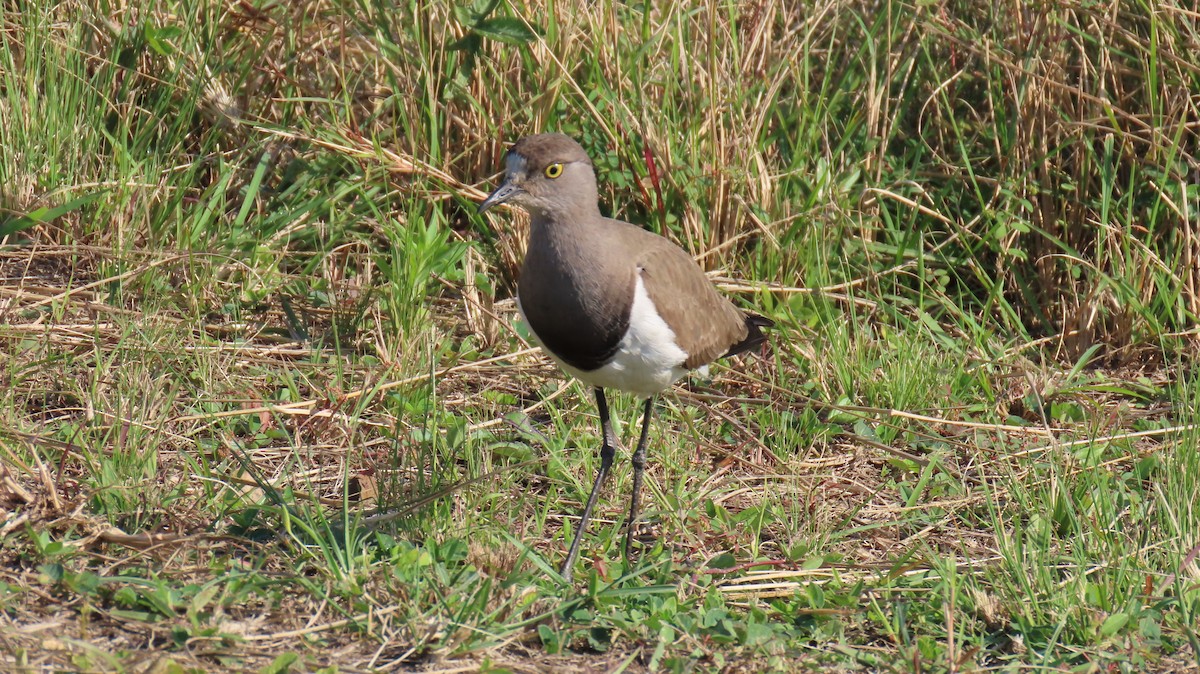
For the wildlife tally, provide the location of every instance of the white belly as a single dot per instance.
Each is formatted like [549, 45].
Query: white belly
[647, 360]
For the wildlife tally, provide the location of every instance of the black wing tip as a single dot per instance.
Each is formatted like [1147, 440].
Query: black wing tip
[754, 321]
[754, 334]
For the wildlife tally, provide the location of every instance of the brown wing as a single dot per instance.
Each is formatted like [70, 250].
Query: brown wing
[707, 325]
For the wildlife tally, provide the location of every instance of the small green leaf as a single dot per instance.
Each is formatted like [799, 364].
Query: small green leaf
[170, 667]
[1150, 629]
[638, 591]
[464, 15]
[53, 572]
[158, 39]
[85, 582]
[282, 663]
[507, 30]
[757, 633]
[549, 639]
[140, 616]
[724, 560]
[599, 639]
[1113, 624]
[180, 636]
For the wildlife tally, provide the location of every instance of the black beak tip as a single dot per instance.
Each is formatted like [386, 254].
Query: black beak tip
[501, 195]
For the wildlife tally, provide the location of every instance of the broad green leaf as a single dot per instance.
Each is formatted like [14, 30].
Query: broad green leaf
[506, 30]
[1113, 624]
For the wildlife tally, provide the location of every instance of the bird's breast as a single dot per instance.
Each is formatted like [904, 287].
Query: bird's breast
[643, 358]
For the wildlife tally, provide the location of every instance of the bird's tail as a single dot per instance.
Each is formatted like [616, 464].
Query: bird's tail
[754, 334]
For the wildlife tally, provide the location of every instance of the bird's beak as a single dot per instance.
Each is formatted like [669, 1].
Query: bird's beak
[507, 190]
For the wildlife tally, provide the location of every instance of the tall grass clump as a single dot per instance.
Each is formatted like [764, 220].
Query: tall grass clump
[1059, 140]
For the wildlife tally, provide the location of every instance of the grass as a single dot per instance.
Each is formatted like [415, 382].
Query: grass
[265, 405]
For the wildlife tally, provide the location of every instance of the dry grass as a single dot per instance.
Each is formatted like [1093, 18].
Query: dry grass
[257, 305]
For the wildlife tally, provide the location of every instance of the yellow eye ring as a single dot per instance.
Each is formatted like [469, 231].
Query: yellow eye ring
[553, 171]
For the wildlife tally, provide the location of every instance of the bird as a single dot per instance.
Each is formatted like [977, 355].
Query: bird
[613, 305]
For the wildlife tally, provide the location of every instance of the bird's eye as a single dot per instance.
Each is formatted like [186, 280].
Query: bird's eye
[553, 171]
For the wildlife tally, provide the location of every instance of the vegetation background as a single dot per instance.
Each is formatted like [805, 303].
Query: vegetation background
[264, 406]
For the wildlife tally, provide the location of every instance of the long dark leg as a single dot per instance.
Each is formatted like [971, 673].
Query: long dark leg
[606, 459]
[639, 465]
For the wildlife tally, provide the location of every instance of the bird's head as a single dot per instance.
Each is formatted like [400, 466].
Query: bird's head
[545, 174]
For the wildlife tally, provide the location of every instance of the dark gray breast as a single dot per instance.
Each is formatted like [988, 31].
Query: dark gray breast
[578, 308]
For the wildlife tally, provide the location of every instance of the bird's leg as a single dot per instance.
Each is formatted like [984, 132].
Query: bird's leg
[639, 465]
[606, 459]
